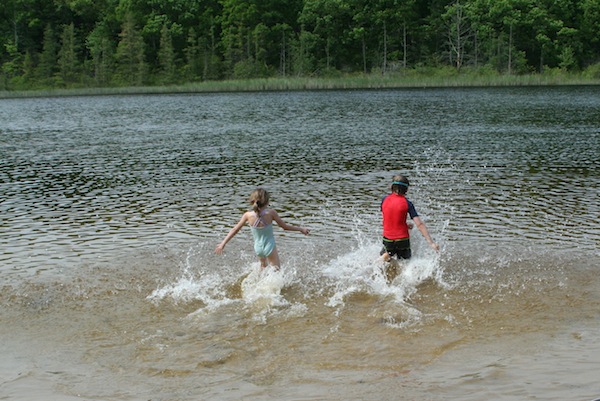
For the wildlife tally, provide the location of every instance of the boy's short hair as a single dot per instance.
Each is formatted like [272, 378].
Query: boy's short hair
[400, 184]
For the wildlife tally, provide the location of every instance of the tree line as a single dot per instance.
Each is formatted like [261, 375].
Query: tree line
[101, 43]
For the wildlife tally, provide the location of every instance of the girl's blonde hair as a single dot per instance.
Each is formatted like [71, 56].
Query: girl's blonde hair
[259, 199]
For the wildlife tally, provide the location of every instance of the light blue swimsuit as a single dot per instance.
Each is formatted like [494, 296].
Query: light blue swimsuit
[264, 240]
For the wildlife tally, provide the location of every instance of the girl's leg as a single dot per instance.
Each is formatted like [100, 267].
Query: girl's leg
[274, 259]
[263, 262]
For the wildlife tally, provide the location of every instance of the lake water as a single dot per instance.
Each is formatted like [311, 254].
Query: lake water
[111, 207]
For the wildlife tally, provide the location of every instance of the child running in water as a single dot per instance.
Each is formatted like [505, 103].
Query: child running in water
[260, 219]
[395, 208]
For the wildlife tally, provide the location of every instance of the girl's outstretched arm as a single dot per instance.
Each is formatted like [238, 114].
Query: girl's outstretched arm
[286, 226]
[232, 233]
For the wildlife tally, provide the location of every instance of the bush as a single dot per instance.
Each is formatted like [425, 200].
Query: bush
[593, 71]
[248, 69]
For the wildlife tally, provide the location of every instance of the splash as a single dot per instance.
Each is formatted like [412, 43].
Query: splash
[194, 284]
[207, 289]
[200, 280]
[263, 293]
[360, 271]
[263, 286]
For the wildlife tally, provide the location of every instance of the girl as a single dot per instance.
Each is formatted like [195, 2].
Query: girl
[260, 219]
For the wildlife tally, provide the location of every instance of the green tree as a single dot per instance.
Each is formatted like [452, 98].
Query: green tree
[11, 69]
[330, 21]
[238, 21]
[193, 62]
[24, 22]
[505, 32]
[590, 28]
[201, 50]
[396, 18]
[68, 64]
[281, 20]
[131, 67]
[126, 42]
[208, 40]
[286, 33]
[47, 66]
[28, 77]
[459, 33]
[258, 34]
[362, 28]
[166, 57]
[303, 58]
[9, 33]
[101, 48]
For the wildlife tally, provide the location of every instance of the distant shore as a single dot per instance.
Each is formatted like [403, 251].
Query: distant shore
[356, 82]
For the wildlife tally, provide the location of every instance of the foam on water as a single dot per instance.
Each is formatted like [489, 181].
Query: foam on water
[264, 286]
[207, 289]
[220, 286]
[361, 270]
[193, 285]
[246, 286]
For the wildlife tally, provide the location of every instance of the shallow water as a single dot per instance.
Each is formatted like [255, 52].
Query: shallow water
[111, 208]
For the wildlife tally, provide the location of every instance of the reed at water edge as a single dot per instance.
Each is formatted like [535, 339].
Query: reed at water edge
[405, 79]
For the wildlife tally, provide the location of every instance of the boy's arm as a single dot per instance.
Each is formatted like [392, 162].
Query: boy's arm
[423, 229]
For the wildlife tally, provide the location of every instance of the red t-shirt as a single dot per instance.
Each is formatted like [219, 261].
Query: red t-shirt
[395, 208]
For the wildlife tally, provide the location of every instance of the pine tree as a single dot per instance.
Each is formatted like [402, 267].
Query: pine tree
[68, 64]
[166, 57]
[131, 65]
[47, 66]
[102, 51]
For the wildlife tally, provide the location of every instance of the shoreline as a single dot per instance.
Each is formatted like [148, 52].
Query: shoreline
[365, 82]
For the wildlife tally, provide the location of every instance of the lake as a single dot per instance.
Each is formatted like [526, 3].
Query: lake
[111, 208]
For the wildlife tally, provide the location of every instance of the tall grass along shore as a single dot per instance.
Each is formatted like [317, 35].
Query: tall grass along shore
[340, 82]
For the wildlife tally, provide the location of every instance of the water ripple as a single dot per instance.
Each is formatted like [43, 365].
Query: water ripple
[87, 177]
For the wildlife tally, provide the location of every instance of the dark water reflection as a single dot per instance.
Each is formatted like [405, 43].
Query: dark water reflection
[82, 178]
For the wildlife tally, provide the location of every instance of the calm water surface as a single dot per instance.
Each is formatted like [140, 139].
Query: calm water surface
[111, 208]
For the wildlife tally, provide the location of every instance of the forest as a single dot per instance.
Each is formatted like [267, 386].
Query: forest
[117, 43]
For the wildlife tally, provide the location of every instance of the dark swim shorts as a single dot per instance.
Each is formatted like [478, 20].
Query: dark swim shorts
[399, 248]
